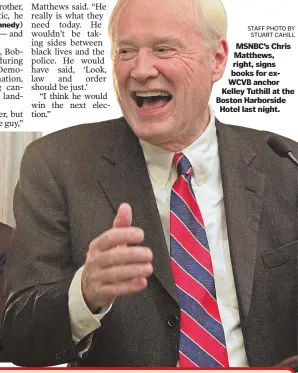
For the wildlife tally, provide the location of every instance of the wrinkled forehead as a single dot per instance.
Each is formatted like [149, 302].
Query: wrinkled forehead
[145, 12]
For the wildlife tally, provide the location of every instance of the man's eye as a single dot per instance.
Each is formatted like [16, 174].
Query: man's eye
[164, 51]
[126, 54]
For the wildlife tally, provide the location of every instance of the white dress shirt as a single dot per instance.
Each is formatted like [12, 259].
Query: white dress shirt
[207, 186]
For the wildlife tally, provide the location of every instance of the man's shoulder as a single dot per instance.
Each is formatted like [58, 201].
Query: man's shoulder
[87, 133]
[250, 145]
[255, 138]
[81, 141]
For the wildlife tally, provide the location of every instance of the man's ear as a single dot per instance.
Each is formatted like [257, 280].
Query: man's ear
[220, 56]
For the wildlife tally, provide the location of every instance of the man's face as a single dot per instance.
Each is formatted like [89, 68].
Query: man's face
[164, 71]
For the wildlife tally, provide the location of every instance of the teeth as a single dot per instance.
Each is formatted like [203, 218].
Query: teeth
[152, 93]
[150, 96]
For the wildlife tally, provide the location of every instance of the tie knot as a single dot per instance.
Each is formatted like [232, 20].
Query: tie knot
[182, 164]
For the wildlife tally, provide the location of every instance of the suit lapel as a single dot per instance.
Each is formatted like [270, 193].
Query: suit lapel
[124, 178]
[243, 196]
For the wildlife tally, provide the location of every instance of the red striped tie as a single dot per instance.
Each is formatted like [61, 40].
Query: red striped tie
[202, 339]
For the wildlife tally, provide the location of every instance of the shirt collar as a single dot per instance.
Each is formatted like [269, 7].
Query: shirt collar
[201, 154]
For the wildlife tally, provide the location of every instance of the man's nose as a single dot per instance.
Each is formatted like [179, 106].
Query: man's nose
[144, 67]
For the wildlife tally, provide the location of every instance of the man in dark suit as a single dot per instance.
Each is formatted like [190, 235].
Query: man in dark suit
[80, 275]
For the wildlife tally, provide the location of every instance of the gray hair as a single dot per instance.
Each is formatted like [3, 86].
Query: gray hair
[212, 20]
[211, 17]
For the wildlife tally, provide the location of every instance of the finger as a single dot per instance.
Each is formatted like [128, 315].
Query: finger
[123, 273]
[117, 236]
[123, 217]
[121, 255]
[112, 291]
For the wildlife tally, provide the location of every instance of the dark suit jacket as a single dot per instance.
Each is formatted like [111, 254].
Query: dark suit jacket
[5, 244]
[71, 184]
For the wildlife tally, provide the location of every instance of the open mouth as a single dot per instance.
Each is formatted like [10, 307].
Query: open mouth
[151, 100]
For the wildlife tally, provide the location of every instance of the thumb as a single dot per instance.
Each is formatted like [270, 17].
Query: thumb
[123, 218]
